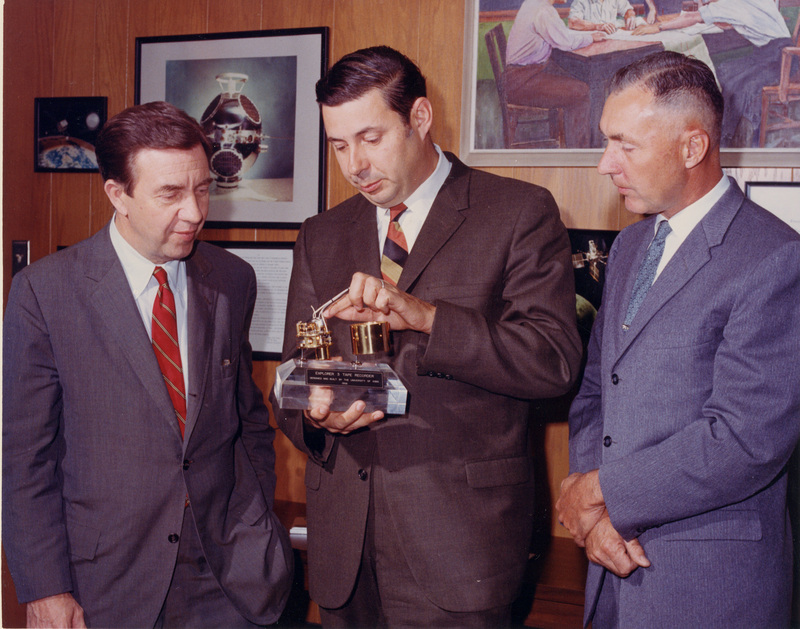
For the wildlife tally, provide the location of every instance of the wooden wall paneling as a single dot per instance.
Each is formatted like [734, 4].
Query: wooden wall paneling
[113, 62]
[73, 75]
[28, 73]
[439, 21]
[556, 447]
[225, 16]
[298, 14]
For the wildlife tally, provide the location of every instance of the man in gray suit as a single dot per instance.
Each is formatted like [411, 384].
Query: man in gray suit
[688, 410]
[425, 518]
[138, 467]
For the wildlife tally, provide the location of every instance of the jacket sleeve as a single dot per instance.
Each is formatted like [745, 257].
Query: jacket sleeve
[34, 532]
[532, 350]
[257, 433]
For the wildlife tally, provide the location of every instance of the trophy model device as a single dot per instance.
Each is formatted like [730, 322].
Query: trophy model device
[375, 383]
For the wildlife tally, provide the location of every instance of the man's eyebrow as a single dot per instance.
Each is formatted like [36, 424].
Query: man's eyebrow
[359, 133]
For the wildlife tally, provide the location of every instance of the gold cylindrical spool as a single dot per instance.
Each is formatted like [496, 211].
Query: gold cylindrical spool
[371, 337]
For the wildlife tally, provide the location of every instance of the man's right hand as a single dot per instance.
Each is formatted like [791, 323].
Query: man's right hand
[344, 422]
[606, 547]
[60, 610]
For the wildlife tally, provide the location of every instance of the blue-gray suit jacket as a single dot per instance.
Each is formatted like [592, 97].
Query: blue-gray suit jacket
[95, 474]
[691, 416]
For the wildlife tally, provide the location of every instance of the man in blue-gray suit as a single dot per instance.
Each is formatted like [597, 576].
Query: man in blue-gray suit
[688, 410]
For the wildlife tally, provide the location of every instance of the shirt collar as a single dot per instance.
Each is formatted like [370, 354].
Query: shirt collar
[687, 219]
[138, 269]
[426, 193]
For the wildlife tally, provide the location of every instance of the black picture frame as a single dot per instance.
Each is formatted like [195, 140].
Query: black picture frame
[272, 263]
[65, 132]
[269, 170]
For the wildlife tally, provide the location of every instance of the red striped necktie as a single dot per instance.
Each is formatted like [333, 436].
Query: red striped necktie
[165, 345]
[395, 248]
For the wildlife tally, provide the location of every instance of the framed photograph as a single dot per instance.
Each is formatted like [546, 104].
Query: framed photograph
[590, 249]
[272, 262]
[65, 131]
[523, 105]
[253, 93]
[781, 198]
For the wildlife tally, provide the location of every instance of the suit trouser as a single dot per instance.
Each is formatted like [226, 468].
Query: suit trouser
[194, 598]
[386, 593]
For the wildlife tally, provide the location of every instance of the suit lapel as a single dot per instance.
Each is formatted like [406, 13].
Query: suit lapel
[443, 220]
[691, 256]
[201, 304]
[121, 322]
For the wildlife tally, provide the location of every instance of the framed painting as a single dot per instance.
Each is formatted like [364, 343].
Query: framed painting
[272, 262]
[530, 98]
[65, 131]
[253, 94]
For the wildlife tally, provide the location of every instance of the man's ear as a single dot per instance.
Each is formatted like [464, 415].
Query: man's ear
[422, 116]
[115, 192]
[695, 147]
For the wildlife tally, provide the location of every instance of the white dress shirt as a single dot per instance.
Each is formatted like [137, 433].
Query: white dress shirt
[687, 219]
[418, 204]
[144, 287]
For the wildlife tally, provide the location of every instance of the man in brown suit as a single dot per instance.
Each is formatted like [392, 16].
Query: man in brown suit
[425, 519]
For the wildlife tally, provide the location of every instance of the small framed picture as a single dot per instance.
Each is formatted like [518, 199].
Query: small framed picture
[65, 131]
[272, 262]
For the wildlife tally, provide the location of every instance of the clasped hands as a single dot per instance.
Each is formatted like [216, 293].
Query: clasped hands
[368, 299]
[582, 510]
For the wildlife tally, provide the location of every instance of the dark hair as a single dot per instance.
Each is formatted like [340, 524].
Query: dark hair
[678, 81]
[395, 75]
[156, 125]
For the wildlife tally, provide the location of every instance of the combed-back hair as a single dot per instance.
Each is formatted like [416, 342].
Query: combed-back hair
[397, 77]
[158, 125]
[677, 81]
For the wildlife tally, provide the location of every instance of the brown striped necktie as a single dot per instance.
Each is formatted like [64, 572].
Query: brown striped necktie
[165, 345]
[395, 248]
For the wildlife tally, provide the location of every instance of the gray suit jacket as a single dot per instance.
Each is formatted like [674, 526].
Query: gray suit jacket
[94, 470]
[691, 416]
[493, 256]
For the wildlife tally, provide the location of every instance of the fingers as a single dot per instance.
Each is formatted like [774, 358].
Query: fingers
[344, 422]
[636, 552]
[606, 547]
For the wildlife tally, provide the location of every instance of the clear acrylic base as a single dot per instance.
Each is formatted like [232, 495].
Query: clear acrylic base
[375, 383]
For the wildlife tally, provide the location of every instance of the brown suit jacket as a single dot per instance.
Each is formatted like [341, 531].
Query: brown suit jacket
[493, 256]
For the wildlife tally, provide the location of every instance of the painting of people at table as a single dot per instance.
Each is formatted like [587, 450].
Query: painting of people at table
[546, 86]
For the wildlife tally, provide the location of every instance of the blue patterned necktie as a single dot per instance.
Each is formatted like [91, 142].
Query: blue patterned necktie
[647, 272]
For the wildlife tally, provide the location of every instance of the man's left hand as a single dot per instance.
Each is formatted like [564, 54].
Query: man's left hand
[372, 299]
[580, 505]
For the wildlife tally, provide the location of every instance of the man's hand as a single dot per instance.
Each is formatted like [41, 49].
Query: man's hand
[607, 27]
[343, 423]
[60, 610]
[646, 29]
[606, 547]
[580, 505]
[371, 299]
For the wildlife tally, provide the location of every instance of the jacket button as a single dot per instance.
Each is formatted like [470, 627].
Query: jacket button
[173, 538]
[186, 464]
[362, 474]
[614, 378]
[607, 441]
